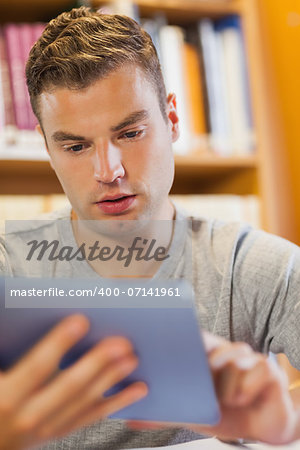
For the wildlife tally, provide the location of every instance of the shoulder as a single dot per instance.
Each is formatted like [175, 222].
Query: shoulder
[212, 232]
[243, 248]
[36, 224]
[17, 232]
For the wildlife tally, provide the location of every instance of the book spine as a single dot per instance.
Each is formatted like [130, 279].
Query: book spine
[195, 97]
[27, 38]
[171, 45]
[226, 119]
[240, 208]
[37, 30]
[230, 33]
[6, 91]
[220, 141]
[152, 28]
[125, 7]
[17, 75]
[2, 109]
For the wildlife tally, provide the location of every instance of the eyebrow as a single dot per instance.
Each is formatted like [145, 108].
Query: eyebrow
[60, 136]
[131, 119]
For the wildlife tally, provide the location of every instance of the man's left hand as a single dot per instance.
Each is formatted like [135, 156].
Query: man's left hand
[253, 396]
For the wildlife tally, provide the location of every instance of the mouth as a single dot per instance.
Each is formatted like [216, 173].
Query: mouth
[116, 204]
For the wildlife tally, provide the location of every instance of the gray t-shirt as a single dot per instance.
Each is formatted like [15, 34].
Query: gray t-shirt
[246, 284]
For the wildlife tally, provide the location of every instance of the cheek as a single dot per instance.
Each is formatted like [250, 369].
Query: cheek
[70, 171]
[153, 154]
[161, 161]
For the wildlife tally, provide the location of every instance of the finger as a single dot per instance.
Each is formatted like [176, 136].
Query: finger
[69, 383]
[43, 359]
[264, 374]
[105, 408]
[90, 396]
[212, 342]
[228, 364]
[229, 353]
[227, 383]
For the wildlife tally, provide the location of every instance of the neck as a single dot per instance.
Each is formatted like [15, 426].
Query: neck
[119, 248]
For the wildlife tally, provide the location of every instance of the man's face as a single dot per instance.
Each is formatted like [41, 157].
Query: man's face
[111, 148]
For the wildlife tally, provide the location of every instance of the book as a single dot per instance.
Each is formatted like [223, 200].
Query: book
[195, 97]
[18, 207]
[37, 30]
[224, 207]
[17, 75]
[123, 7]
[152, 27]
[27, 38]
[15, 46]
[218, 112]
[23, 145]
[5, 86]
[229, 33]
[2, 108]
[171, 46]
[27, 207]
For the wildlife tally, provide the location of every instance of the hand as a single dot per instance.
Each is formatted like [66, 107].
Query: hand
[38, 403]
[252, 393]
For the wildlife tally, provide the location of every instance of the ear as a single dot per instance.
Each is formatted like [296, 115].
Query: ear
[173, 116]
[38, 128]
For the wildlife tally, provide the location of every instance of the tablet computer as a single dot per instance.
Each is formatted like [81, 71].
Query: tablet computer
[158, 317]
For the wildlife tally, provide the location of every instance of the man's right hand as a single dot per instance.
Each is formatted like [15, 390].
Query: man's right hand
[38, 403]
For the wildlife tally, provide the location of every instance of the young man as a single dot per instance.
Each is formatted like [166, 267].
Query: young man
[96, 88]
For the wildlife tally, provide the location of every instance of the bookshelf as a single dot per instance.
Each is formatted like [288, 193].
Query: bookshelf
[195, 173]
[175, 9]
[179, 11]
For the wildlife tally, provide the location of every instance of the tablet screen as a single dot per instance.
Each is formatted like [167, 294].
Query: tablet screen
[158, 317]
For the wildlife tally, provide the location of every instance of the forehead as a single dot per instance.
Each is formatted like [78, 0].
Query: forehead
[108, 99]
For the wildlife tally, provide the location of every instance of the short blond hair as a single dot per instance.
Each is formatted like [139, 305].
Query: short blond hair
[81, 46]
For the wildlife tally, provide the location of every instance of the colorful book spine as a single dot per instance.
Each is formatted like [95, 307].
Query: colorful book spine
[17, 75]
[195, 97]
[2, 109]
[5, 88]
[15, 45]
[37, 30]
[27, 40]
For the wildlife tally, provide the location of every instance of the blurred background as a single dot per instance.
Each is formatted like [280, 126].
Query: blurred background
[235, 68]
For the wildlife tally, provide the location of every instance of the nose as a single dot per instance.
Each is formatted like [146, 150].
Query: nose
[107, 163]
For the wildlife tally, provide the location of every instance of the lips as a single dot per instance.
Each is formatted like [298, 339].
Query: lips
[114, 197]
[116, 204]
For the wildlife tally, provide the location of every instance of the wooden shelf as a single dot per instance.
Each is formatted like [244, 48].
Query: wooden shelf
[215, 175]
[28, 178]
[214, 164]
[185, 10]
[181, 11]
[193, 174]
[42, 5]
[32, 10]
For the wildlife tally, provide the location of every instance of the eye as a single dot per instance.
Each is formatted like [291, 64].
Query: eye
[75, 148]
[132, 134]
